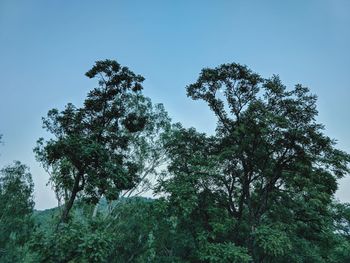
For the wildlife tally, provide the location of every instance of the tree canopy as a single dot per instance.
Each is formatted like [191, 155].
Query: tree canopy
[16, 208]
[261, 188]
[266, 180]
[90, 153]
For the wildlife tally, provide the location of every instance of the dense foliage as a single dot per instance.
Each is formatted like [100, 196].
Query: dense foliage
[99, 149]
[16, 209]
[260, 189]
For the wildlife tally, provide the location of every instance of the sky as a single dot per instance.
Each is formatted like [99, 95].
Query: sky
[47, 46]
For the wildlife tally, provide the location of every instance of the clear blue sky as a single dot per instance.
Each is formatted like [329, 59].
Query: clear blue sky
[47, 46]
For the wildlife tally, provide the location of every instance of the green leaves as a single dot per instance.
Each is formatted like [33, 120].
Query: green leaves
[224, 253]
[269, 163]
[16, 208]
[260, 189]
[75, 242]
[109, 146]
[115, 77]
[272, 241]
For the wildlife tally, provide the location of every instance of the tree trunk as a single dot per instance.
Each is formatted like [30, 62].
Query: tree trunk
[69, 204]
[96, 209]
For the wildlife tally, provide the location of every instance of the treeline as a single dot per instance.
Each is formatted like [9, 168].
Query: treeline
[261, 189]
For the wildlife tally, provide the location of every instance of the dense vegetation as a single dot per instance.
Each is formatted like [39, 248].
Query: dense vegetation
[261, 189]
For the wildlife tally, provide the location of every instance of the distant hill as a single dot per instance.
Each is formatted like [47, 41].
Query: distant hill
[46, 218]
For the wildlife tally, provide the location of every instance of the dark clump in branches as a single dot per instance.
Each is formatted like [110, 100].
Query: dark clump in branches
[259, 189]
[89, 154]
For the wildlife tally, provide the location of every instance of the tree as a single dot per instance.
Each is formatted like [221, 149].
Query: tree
[91, 154]
[266, 179]
[16, 209]
[146, 146]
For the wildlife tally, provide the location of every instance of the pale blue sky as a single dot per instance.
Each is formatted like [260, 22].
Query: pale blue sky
[47, 46]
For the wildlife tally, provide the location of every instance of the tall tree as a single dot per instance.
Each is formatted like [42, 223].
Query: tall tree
[90, 152]
[16, 208]
[269, 171]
